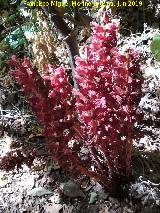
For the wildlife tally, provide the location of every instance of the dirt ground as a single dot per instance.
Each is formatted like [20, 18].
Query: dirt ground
[45, 187]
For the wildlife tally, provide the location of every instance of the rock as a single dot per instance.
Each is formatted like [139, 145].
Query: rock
[153, 209]
[71, 189]
[56, 198]
[54, 208]
[38, 192]
[102, 195]
[106, 210]
[93, 197]
[3, 180]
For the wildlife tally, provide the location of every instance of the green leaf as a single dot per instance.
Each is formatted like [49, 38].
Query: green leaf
[15, 39]
[155, 46]
[12, 17]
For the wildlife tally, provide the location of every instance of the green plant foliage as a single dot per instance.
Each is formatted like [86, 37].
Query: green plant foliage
[12, 17]
[4, 4]
[15, 39]
[155, 46]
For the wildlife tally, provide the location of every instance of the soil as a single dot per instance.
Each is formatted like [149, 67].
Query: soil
[37, 189]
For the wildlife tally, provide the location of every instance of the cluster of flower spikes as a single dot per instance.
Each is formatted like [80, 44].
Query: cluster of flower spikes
[49, 97]
[109, 92]
[102, 115]
[53, 104]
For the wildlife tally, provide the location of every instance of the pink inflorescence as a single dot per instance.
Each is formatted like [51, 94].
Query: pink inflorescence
[98, 116]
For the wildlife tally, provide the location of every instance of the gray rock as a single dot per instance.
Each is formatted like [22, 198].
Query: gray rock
[38, 192]
[71, 189]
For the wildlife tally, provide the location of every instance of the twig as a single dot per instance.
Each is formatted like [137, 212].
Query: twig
[68, 36]
[148, 182]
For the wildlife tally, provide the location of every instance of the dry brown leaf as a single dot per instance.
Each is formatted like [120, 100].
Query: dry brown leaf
[43, 45]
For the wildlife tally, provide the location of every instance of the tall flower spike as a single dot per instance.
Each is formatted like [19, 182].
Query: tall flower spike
[90, 130]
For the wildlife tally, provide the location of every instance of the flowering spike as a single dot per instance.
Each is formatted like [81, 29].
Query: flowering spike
[90, 129]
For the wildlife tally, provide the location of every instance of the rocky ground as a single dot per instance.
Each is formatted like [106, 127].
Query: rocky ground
[45, 187]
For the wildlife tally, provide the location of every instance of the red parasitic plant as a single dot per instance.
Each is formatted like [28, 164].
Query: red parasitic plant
[90, 129]
[110, 89]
